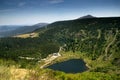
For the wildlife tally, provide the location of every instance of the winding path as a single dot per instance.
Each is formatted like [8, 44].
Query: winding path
[48, 60]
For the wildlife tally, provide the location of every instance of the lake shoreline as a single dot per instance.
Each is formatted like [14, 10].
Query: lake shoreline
[64, 56]
[70, 66]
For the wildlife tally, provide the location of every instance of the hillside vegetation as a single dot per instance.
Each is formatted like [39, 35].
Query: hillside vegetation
[96, 40]
[96, 36]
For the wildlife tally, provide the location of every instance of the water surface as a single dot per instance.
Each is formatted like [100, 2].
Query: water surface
[70, 66]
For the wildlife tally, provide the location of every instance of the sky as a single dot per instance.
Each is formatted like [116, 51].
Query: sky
[28, 12]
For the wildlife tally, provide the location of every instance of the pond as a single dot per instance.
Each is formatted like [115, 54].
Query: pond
[70, 66]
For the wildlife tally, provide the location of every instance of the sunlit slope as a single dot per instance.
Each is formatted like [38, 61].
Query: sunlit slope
[27, 35]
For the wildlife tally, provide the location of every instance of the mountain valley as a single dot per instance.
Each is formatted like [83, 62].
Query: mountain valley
[96, 40]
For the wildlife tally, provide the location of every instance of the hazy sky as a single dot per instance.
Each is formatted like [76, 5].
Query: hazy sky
[15, 12]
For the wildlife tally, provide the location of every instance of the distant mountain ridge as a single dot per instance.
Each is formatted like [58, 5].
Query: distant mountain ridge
[26, 29]
[21, 30]
[40, 24]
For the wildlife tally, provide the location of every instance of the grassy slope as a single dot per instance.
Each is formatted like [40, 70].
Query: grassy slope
[27, 35]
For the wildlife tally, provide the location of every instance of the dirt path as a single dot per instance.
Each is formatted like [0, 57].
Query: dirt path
[48, 60]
